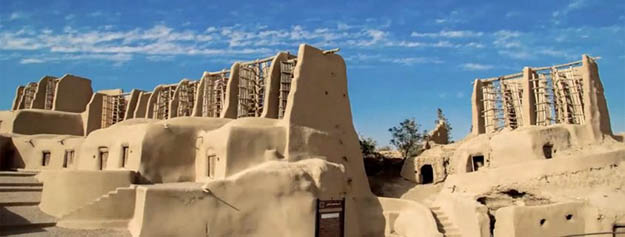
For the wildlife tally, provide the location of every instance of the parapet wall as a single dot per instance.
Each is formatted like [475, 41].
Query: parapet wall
[571, 93]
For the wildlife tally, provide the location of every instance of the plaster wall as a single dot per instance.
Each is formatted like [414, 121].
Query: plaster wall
[231, 102]
[412, 218]
[72, 94]
[29, 151]
[271, 104]
[92, 116]
[285, 207]
[132, 104]
[142, 103]
[40, 96]
[130, 133]
[28, 122]
[470, 217]
[548, 220]
[18, 96]
[65, 191]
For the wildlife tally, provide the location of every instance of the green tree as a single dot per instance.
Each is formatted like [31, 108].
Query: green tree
[367, 146]
[440, 118]
[406, 137]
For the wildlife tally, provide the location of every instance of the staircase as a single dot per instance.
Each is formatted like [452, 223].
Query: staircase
[20, 194]
[444, 224]
[111, 210]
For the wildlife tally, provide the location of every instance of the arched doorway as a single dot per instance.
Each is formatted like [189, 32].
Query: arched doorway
[427, 174]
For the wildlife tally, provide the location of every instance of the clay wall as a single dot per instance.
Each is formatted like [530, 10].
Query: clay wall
[131, 106]
[142, 104]
[28, 122]
[548, 220]
[30, 151]
[65, 191]
[72, 94]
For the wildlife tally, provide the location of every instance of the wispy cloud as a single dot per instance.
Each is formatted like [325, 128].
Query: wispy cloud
[476, 67]
[449, 34]
[17, 16]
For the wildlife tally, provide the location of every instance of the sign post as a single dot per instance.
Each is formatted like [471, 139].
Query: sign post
[330, 218]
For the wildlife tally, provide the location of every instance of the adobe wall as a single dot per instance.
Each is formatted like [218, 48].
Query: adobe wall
[132, 104]
[559, 219]
[595, 105]
[477, 108]
[40, 96]
[28, 150]
[6, 121]
[28, 122]
[238, 145]
[320, 84]
[271, 103]
[92, 116]
[283, 202]
[67, 190]
[142, 104]
[129, 133]
[18, 97]
[149, 109]
[231, 103]
[199, 95]
[72, 94]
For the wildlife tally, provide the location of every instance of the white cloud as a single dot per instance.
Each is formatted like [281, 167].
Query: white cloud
[17, 16]
[69, 17]
[476, 67]
[449, 34]
[96, 14]
[573, 5]
[413, 60]
[31, 61]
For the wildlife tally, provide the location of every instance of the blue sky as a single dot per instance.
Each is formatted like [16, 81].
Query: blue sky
[404, 58]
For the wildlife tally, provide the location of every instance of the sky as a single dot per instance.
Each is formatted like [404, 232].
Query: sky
[404, 59]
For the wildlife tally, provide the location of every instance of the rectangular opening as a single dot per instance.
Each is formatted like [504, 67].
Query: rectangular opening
[548, 151]
[478, 162]
[45, 158]
[210, 168]
[103, 155]
[68, 158]
[124, 160]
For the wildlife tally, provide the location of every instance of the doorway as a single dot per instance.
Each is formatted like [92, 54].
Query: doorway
[103, 157]
[427, 174]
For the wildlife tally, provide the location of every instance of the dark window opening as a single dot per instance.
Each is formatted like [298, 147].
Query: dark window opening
[427, 174]
[45, 158]
[569, 217]
[68, 159]
[103, 157]
[210, 169]
[542, 222]
[548, 151]
[475, 163]
[125, 151]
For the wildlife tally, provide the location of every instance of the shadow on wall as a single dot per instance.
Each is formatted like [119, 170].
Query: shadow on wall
[9, 221]
[9, 158]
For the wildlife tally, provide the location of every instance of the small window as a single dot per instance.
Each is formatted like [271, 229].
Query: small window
[475, 163]
[68, 159]
[211, 162]
[548, 151]
[103, 157]
[45, 158]
[125, 151]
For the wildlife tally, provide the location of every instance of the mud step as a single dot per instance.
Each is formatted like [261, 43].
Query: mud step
[21, 189]
[16, 173]
[19, 197]
[24, 217]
